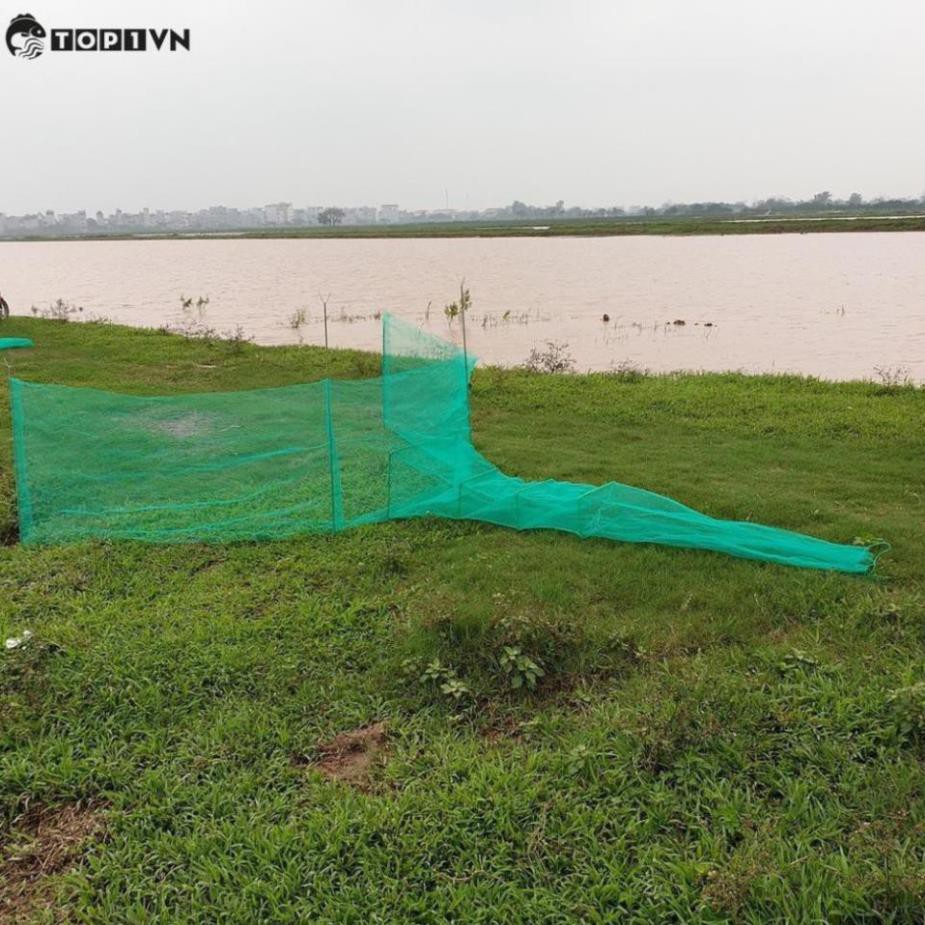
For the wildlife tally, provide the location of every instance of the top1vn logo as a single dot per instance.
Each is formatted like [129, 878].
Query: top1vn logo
[25, 38]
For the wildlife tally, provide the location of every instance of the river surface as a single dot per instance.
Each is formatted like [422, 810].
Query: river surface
[838, 306]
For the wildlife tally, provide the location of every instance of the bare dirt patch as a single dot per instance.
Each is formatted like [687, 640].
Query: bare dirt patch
[42, 842]
[9, 531]
[351, 757]
[501, 729]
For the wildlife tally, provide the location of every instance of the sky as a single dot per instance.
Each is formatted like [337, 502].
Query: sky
[474, 102]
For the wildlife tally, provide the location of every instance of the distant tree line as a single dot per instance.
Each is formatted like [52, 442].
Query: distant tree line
[331, 216]
[219, 218]
[821, 204]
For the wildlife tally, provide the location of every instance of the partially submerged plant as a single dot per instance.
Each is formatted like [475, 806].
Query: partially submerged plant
[297, 319]
[456, 309]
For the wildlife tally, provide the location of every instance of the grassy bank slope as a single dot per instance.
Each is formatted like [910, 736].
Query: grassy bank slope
[712, 740]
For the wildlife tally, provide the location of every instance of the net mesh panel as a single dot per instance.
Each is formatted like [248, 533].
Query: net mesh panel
[324, 457]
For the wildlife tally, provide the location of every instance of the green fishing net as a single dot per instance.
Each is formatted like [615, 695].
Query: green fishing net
[325, 457]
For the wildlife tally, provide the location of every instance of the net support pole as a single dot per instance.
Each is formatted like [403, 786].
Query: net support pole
[333, 464]
[384, 371]
[462, 315]
[23, 496]
[465, 346]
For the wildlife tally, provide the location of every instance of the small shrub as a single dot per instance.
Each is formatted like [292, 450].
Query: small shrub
[195, 326]
[522, 671]
[554, 359]
[627, 371]
[579, 760]
[235, 339]
[906, 705]
[446, 680]
[551, 642]
[192, 329]
[58, 311]
[456, 689]
[893, 377]
[625, 648]
[513, 651]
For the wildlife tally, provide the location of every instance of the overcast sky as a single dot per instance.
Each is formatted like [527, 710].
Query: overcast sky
[351, 102]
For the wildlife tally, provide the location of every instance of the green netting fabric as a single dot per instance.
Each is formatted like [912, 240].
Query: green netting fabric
[324, 457]
[11, 343]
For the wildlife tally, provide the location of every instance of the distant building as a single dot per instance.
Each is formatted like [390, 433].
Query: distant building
[278, 213]
[361, 215]
[73, 222]
[389, 213]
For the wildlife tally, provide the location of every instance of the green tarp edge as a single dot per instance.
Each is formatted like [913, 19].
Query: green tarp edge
[11, 343]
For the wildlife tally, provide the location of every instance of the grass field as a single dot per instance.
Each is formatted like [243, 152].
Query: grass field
[328, 730]
[533, 228]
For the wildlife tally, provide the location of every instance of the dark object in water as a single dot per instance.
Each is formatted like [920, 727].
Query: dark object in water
[708, 324]
[605, 317]
[679, 322]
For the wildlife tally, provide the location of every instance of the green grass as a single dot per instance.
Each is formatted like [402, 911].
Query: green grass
[542, 228]
[713, 740]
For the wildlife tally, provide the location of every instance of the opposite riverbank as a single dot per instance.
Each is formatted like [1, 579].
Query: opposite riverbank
[537, 228]
[330, 728]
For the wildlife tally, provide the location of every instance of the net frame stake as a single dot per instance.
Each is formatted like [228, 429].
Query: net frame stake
[465, 348]
[462, 315]
[23, 495]
[324, 305]
[332, 455]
